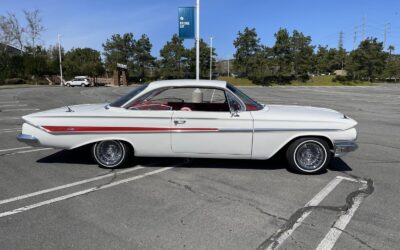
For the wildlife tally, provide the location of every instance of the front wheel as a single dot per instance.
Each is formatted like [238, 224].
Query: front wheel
[111, 154]
[308, 155]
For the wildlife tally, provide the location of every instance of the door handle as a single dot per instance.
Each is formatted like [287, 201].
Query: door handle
[176, 122]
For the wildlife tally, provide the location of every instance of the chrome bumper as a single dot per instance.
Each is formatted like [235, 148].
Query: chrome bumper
[28, 139]
[341, 148]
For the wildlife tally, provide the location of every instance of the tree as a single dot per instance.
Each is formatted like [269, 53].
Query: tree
[247, 44]
[34, 27]
[173, 61]
[391, 48]
[6, 33]
[283, 52]
[204, 60]
[144, 61]
[302, 52]
[119, 49]
[368, 60]
[262, 67]
[392, 68]
[16, 31]
[83, 61]
[321, 60]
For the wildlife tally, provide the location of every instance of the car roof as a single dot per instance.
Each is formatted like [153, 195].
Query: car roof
[187, 82]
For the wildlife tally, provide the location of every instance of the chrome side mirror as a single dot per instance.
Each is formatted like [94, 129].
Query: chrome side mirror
[234, 113]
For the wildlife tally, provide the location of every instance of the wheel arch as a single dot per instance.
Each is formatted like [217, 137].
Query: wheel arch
[294, 138]
[91, 142]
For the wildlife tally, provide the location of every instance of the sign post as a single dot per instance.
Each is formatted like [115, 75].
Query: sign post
[187, 29]
[197, 39]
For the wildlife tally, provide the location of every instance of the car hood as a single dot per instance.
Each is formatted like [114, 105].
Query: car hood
[293, 112]
[303, 116]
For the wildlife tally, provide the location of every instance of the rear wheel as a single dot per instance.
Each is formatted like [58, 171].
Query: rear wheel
[308, 155]
[111, 154]
[82, 85]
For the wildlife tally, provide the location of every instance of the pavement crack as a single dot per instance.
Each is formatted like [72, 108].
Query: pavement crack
[186, 187]
[262, 211]
[266, 213]
[113, 178]
[272, 241]
[364, 243]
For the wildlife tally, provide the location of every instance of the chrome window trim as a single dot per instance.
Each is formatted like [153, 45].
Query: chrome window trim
[243, 106]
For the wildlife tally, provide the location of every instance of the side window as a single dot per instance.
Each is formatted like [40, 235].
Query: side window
[185, 99]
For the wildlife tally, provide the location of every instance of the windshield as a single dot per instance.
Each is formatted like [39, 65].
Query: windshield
[251, 105]
[124, 99]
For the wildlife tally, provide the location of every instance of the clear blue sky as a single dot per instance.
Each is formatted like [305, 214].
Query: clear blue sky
[88, 23]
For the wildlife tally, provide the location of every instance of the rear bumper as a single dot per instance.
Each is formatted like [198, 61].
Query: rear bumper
[341, 148]
[28, 139]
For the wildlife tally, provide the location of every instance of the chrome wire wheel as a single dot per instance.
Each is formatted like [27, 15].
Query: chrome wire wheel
[109, 153]
[310, 156]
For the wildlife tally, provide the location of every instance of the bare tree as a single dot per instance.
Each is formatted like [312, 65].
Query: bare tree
[5, 33]
[34, 28]
[17, 32]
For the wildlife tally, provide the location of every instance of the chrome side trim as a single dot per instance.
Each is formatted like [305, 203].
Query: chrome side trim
[294, 130]
[341, 148]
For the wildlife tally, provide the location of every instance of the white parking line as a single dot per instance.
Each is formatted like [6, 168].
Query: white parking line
[10, 118]
[28, 151]
[7, 129]
[6, 102]
[13, 105]
[333, 235]
[313, 202]
[67, 185]
[89, 190]
[12, 149]
[11, 110]
[11, 131]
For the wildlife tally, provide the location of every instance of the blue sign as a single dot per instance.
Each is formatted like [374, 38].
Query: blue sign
[186, 22]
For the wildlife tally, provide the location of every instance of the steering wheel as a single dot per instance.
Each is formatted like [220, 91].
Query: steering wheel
[185, 109]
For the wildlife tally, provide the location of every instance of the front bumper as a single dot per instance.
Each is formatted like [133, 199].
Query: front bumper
[28, 139]
[341, 148]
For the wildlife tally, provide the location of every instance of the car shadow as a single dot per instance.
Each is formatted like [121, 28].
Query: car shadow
[83, 156]
[337, 164]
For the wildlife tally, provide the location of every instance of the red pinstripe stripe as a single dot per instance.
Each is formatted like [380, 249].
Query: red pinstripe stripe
[60, 129]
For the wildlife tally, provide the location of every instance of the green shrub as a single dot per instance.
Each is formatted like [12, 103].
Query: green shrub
[341, 79]
[14, 81]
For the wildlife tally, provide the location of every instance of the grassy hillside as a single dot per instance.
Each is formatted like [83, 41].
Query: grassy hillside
[315, 81]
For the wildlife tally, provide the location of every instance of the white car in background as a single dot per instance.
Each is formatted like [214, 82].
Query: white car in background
[200, 119]
[82, 81]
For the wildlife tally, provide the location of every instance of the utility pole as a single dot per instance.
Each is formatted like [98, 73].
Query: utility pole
[355, 37]
[211, 56]
[364, 27]
[387, 26]
[228, 66]
[59, 56]
[197, 39]
[340, 44]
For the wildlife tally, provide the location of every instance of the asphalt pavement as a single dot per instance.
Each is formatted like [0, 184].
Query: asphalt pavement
[59, 199]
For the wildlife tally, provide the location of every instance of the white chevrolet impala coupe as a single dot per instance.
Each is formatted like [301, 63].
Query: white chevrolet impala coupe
[189, 118]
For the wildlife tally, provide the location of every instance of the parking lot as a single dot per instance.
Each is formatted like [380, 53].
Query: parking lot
[60, 199]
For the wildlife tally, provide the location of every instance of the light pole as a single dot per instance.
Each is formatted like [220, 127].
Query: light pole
[211, 56]
[59, 56]
[197, 39]
[228, 65]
